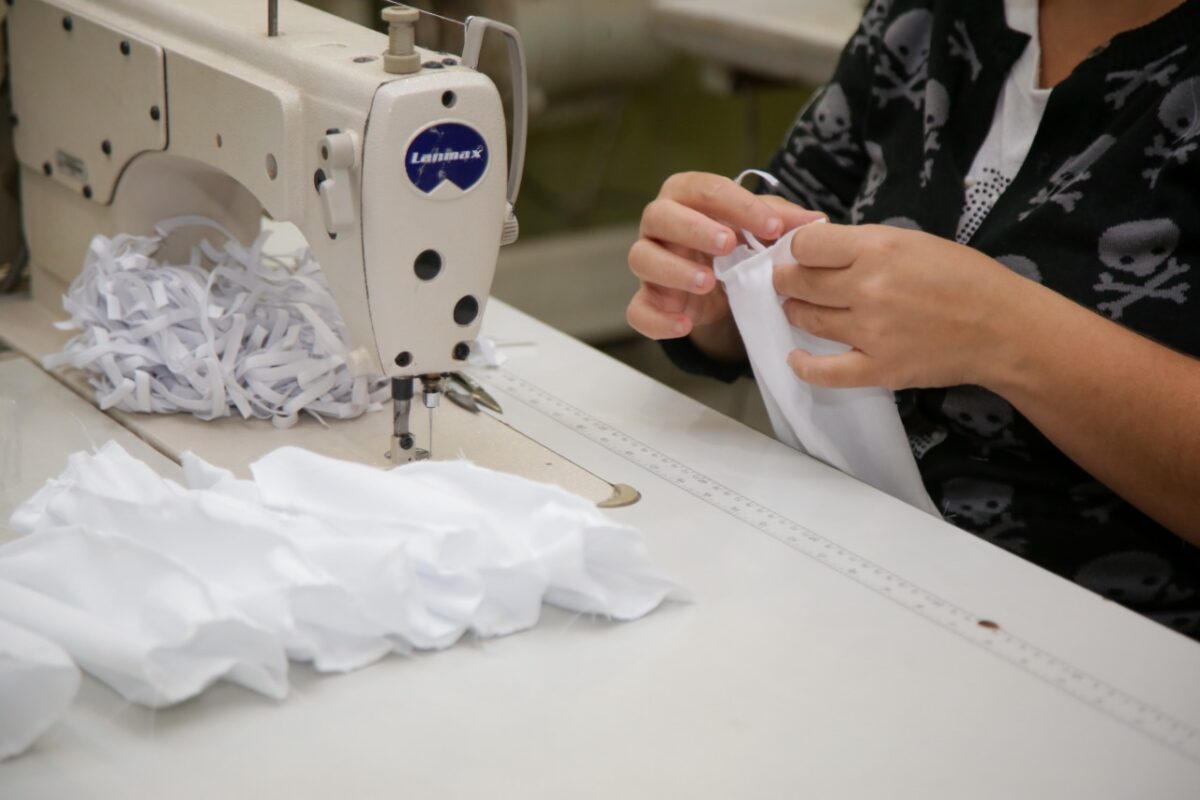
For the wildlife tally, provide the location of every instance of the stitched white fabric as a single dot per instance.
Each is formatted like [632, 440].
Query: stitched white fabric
[38, 681]
[254, 335]
[858, 431]
[159, 590]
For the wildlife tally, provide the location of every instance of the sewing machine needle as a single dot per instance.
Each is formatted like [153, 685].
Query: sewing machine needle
[431, 434]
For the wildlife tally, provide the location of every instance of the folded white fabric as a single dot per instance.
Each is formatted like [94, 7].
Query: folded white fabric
[38, 681]
[159, 590]
[858, 431]
[255, 335]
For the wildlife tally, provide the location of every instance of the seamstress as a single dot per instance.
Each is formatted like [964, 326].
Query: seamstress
[1014, 188]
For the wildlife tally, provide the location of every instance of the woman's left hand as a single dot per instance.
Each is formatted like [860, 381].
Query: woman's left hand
[919, 311]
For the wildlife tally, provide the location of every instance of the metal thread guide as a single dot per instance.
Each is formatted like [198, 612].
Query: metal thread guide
[427, 13]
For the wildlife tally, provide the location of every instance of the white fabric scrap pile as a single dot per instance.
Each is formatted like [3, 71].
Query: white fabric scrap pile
[159, 590]
[234, 331]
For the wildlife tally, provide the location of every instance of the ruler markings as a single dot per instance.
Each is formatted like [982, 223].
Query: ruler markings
[1046, 667]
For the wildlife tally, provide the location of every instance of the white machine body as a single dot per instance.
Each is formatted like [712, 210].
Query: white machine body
[133, 111]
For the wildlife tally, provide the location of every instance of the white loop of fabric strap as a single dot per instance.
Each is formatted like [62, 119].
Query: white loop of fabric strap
[232, 331]
[771, 181]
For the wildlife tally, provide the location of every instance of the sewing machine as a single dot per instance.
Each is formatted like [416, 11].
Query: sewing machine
[390, 159]
[839, 644]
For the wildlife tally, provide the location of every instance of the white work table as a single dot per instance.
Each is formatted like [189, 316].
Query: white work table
[789, 40]
[795, 671]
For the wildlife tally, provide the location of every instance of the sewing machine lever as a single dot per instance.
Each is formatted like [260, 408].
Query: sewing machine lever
[338, 152]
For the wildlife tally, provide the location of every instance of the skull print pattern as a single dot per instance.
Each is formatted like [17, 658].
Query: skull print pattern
[876, 176]
[937, 114]
[828, 126]
[1180, 115]
[1139, 249]
[870, 30]
[1062, 189]
[1157, 73]
[904, 66]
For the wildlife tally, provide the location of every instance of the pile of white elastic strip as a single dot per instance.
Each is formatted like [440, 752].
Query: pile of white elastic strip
[232, 331]
[158, 590]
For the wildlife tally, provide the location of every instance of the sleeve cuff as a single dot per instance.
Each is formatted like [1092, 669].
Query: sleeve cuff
[684, 354]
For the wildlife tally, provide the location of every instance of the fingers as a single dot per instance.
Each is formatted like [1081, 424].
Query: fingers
[828, 246]
[794, 216]
[645, 317]
[823, 287]
[827, 323]
[656, 264]
[844, 371]
[724, 200]
[667, 220]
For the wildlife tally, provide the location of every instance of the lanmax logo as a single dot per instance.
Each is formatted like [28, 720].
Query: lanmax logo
[450, 152]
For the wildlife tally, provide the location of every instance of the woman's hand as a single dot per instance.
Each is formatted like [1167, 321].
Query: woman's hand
[919, 311]
[923, 312]
[698, 216]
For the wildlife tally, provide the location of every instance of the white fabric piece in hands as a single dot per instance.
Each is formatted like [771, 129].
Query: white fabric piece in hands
[254, 335]
[38, 681]
[858, 431]
[315, 560]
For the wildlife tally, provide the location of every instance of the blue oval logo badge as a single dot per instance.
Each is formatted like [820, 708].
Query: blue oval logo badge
[449, 152]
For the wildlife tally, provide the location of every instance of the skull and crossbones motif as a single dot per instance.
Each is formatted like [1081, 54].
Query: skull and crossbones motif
[1157, 72]
[986, 418]
[984, 507]
[801, 186]
[1180, 115]
[905, 63]
[1140, 249]
[870, 29]
[937, 114]
[876, 175]
[961, 47]
[827, 126]
[1074, 171]
[1133, 577]
[1095, 501]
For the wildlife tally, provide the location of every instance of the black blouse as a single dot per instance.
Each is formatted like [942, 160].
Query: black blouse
[1105, 211]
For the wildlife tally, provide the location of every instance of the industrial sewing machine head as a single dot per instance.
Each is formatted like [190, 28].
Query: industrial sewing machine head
[390, 159]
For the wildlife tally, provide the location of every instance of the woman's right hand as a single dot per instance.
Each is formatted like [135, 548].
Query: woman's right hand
[696, 217]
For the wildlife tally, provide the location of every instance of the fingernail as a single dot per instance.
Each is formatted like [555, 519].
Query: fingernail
[721, 240]
[775, 227]
[680, 328]
[699, 279]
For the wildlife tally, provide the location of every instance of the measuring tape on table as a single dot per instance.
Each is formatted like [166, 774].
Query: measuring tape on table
[1046, 667]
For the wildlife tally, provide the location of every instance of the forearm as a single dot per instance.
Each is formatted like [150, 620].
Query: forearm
[1124, 408]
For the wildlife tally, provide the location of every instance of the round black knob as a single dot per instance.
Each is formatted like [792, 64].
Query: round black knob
[466, 310]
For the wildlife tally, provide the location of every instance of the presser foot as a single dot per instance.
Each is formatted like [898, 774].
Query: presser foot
[398, 454]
